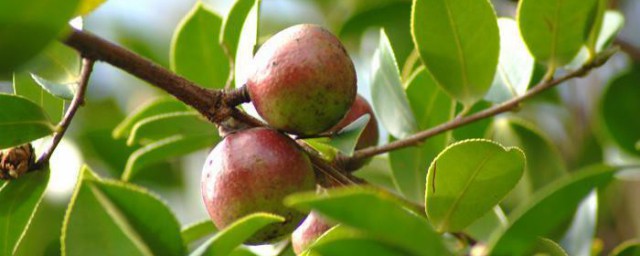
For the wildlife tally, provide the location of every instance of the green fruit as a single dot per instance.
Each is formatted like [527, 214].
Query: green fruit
[253, 171]
[303, 81]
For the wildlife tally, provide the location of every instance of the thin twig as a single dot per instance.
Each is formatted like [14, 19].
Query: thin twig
[495, 110]
[76, 102]
[628, 48]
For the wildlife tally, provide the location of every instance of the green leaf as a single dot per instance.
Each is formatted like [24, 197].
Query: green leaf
[628, 248]
[152, 108]
[346, 139]
[21, 121]
[87, 6]
[195, 49]
[459, 43]
[246, 46]
[386, 218]
[232, 26]
[549, 208]
[158, 151]
[493, 221]
[594, 33]
[459, 192]
[356, 246]
[114, 218]
[473, 130]
[377, 172]
[515, 66]
[555, 30]
[25, 86]
[161, 126]
[235, 234]
[431, 106]
[57, 70]
[619, 100]
[579, 237]
[20, 199]
[389, 101]
[612, 23]
[548, 247]
[28, 27]
[337, 232]
[197, 231]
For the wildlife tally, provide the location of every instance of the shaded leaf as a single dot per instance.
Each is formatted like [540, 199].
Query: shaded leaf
[232, 26]
[459, 192]
[57, 70]
[246, 45]
[618, 100]
[356, 246]
[21, 121]
[345, 140]
[197, 231]
[628, 248]
[152, 108]
[493, 221]
[579, 237]
[25, 86]
[161, 126]
[548, 247]
[377, 172]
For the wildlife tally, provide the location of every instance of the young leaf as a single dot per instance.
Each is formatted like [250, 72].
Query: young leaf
[469, 178]
[115, 218]
[515, 66]
[548, 208]
[25, 86]
[161, 126]
[385, 217]
[20, 199]
[28, 27]
[579, 237]
[173, 146]
[197, 231]
[57, 70]
[389, 101]
[232, 236]
[346, 139]
[431, 106]
[232, 26]
[612, 23]
[618, 100]
[152, 108]
[459, 43]
[553, 30]
[21, 121]
[195, 49]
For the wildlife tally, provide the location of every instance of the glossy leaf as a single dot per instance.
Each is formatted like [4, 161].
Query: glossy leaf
[553, 30]
[389, 101]
[483, 228]
[549, 207]
[346, 139]
[579, 237]
[515, 65]
[21, 121]
[356, 246]
[235, 234]
[152, 108]
[387, 218]
[246, 46]
[459, 192]
[28, 27]
[232, 26]
[459, 43]
[195, 49]
[114, 218]
[25, 86]
[546, 246]
[158, 127]
[612, 23]
[57, 70]
[197, 231]
[158, 151]
[431, 106]
[620, 99]
[20, 199]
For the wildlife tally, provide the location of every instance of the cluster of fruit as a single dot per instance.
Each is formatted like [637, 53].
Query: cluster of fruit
[303, 83]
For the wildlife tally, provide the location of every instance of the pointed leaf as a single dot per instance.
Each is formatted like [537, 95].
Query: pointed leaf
[115, 218]
[459, 43]
[386, 218]
[232, 25]
[20, 199]
[594, 33]
[389, 101]
[344, 141]
[152, 108]
[195, 49]
[197, 231]
[25, 86]
[612, 24]
[57, 70]
[619, 99]
[555, 30]
[549, 207]
[161, 126]
[21, 121]
[459, 192]
[235, 234]
[246, 46]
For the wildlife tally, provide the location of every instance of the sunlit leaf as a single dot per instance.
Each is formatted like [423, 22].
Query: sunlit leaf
[197, 231]
[25, 86]
[57, 70]
[152, 108]
[21, 121]
[158, 127]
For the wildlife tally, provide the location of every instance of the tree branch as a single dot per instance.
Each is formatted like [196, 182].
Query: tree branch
[628, 48]
[417, 138]
[76, 102]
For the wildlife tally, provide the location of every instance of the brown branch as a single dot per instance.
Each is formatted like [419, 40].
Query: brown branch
[76, 102]
[417, 138]
[628, 48]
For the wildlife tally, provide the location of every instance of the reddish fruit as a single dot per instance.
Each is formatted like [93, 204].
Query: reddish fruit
[369, 136]
[303, 80]
[312, 228]
[253, 171]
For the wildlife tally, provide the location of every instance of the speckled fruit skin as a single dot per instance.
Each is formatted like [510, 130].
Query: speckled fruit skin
[253, 171]
[369, 136]
[311, 228]
[303, 81]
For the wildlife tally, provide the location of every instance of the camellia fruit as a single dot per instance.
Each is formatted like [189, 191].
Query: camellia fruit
[369, 136]
[253, 171]
[303, 81]
[311, 228]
